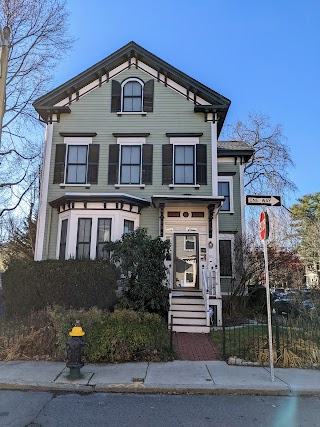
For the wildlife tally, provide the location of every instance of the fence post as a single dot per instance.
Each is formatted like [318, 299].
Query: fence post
[223, 339]
[171, 334]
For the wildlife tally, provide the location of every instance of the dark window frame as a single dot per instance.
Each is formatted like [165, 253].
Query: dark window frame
[98, 243]
[124, 225]
[83, 242]
[226, 207]
[121, 164]
[63, 239]
[226, 269]
[76, 164]
[193, 164]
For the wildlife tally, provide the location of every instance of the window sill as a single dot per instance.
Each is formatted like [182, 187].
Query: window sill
[184, 185]
[75, 185]
[131, 113]
[130, 185]
[226, 212]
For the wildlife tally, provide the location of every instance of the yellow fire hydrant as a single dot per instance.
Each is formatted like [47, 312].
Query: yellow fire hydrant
[75, 346]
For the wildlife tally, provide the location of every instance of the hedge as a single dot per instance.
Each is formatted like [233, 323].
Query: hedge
[34, 285]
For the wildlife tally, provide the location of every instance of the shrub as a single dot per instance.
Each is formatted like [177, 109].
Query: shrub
[121, 336]
[34, 285]
[143, 273]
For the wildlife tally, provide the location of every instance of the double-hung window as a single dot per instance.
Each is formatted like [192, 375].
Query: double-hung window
[128, 226]
[63, 239]
[84, 237]
[132, 92]
[130, 168]
[103, 236]
[77, 160]
[184, 164]
[225, 189]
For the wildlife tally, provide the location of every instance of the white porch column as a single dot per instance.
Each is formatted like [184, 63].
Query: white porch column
[43, 193]
[214, 155]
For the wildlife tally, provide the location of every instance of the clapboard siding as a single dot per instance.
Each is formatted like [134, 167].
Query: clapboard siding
[92, 113]
[231, 222]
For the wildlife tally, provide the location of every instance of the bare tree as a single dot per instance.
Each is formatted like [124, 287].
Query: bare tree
[268, 168]
[38, 39]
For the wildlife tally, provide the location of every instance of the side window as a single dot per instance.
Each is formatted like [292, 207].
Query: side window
[132, 96]
[63, 239]
[225, 250]
[225, 189]
[103, 236]
[128, 226]
[84, 238]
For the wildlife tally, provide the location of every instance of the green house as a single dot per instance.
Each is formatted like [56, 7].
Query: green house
[133, 142]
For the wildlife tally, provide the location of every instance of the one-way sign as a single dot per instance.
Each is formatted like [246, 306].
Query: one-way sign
[263, 200]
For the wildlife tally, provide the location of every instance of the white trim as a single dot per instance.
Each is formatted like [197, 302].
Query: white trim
[184, 140]
[228, 179]
[137, 80]
[43, 194]
[117, 222]
[184, 185]
[214, 157]
[75, 185]
[105, 194]
[242, 197]
[77, 140]
[131, 140]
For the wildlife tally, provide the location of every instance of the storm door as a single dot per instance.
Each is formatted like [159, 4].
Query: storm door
[186, 261]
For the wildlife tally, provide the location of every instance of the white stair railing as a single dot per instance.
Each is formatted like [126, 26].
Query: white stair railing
[205, 293]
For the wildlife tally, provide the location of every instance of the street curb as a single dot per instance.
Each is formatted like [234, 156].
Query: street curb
[82, 389]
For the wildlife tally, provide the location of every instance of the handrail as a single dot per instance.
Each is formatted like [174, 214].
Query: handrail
[205, 293]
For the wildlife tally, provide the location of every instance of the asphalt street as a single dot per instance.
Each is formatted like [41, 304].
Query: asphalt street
[35, 409]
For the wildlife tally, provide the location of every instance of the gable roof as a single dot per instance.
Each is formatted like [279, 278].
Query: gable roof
[216, 102]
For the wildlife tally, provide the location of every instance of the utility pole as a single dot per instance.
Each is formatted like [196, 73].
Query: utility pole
[4, 53]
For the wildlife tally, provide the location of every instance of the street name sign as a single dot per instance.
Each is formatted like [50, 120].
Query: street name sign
[263, 200]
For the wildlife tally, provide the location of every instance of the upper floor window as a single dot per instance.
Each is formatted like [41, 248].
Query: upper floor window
[132, 96]
[184, 162]
[225, 189]
[130, 162]
[76, 162]
[184, 157]
[132, 92]
[130, 167]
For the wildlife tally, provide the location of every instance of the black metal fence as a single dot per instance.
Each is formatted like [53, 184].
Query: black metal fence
[295, 340]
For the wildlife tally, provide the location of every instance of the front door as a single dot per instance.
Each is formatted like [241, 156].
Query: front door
[186, 255]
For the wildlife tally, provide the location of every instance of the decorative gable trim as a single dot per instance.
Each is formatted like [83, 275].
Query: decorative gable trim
[124, 58]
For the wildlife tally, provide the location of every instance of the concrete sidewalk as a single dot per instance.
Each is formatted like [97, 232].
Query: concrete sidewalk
[178, 377]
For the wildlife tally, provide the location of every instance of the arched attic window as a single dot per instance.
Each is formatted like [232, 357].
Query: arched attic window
[132, 95]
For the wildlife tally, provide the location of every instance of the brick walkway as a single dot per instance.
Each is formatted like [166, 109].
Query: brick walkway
[195, 347]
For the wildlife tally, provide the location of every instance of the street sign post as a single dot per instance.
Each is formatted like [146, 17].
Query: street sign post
[264, 234]
[263, 200]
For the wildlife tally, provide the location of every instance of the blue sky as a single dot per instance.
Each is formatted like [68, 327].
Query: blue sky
[263, 55]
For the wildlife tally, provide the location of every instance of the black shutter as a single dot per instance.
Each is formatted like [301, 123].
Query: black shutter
[147, 163]
[167, 158]
[116, 97]
[148, 96]
[93, 164]
[201, 164]
[58, 175]
[113, 164]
